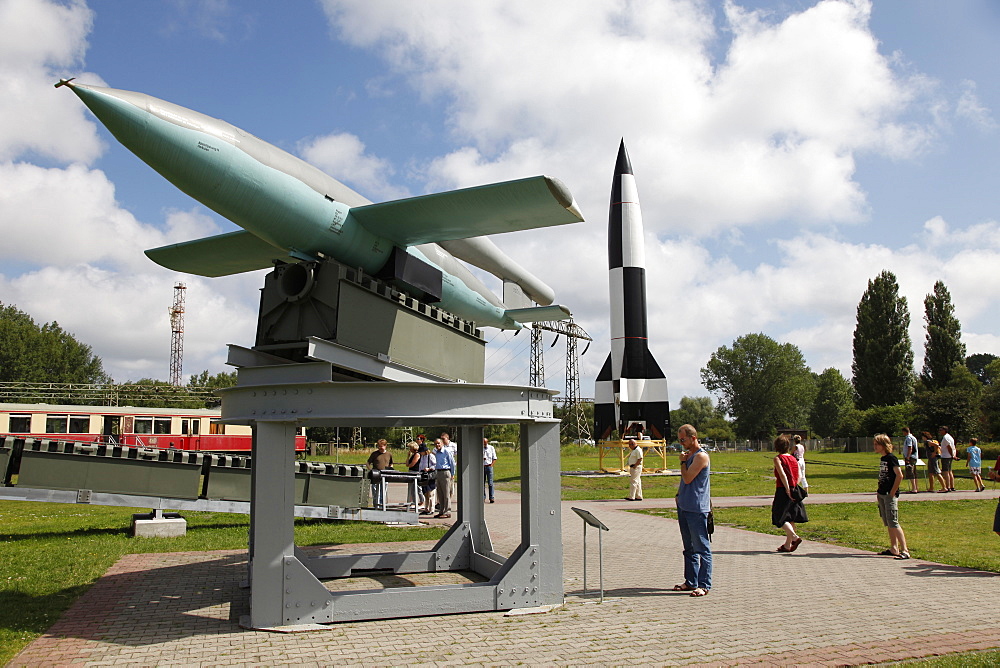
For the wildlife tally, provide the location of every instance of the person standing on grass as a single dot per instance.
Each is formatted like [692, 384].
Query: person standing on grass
[887, 495]
[786, 510]
[489, 458]
[974, 455]
[635, 471]
[910, 459]
[380, 460]
[948, 454]
[694, 502]
[933, 463]
[444, 469]
[799, 452]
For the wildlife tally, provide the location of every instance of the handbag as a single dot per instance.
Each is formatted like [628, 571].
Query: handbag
[799, 492]
[711, 523]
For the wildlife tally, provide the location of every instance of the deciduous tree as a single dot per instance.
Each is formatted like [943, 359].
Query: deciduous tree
[32, 353]
[761, 383]
[834, 403]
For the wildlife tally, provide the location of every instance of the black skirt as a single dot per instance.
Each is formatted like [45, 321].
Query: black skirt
[784, 509]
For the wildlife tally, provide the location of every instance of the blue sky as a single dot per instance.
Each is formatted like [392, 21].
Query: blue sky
[785, 153]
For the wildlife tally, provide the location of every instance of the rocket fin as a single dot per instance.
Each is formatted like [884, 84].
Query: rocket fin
[221, 255]
[514, 297]
[525, 204]
[539, 313]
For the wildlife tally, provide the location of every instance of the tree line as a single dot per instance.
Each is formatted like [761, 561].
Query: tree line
[43, 363]
[763, 385]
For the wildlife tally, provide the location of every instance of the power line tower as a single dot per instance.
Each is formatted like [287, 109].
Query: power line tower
[575, 423]
[536, 365]
[177, 335]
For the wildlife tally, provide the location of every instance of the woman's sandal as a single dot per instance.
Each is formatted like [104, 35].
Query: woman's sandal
[699, 592]
[683, 587]
[782, 548]
[795, 544]
[887, 553]
[903, 555]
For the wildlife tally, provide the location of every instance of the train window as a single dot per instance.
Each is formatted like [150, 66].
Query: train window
[216, 427]
[161, 425]
[195, 426]
[79, 424]
[20, 424]
[143, 425]
[56, 424]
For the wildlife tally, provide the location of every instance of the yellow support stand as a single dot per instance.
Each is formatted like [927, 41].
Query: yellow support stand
[604, 448]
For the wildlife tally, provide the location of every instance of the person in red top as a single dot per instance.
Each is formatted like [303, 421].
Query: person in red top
[786, 510]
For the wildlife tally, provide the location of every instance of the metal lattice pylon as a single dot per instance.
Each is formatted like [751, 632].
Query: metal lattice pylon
[177, 336]
[536, 367]
[575, 424]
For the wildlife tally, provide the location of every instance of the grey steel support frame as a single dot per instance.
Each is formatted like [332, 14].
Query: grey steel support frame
[286, 587]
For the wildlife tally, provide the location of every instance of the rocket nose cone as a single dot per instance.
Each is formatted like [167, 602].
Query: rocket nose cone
[122, 112]
[623, 165]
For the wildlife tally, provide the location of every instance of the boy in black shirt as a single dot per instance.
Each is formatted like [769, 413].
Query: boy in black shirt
[889, 477]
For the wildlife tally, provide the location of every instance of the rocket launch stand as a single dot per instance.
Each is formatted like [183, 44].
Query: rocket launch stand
[285, 385]
[285, 582]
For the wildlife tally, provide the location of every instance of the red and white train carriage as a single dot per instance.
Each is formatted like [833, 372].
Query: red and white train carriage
[195, 429]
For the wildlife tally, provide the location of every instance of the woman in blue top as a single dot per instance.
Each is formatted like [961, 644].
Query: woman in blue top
[693, 505]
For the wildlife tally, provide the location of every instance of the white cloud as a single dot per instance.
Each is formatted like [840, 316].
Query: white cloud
[769, 133]
[971, 109]
[343, 156]
[43, 41]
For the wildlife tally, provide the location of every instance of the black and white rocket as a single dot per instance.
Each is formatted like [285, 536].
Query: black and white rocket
[631, 389]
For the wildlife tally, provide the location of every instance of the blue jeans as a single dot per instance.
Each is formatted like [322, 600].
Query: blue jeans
[488, 480]
[697, 549]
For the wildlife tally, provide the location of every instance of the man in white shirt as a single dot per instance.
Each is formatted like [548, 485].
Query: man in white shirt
[910, 459]
[635, 471]
[452, 448]
[948, 454]
[489, 456]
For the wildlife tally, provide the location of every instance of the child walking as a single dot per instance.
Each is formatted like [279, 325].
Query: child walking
[974, 455]
[889, 478]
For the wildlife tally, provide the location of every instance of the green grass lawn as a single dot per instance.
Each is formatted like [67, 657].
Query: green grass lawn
[51, 553]
[947, 532]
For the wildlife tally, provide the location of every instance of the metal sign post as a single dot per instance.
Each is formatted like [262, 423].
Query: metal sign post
[590, 520]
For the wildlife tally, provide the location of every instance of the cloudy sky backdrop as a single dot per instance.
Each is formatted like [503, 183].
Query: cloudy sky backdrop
[786, 151]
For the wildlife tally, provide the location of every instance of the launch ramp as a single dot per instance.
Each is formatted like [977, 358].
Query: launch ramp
[287, 585]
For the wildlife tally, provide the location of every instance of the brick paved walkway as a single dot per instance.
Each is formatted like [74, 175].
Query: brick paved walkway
[823, 605]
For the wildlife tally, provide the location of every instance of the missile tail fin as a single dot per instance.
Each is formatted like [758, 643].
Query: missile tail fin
[539, 313]
[221, 255]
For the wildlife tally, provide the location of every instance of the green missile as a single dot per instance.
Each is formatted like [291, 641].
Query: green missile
[290, 210]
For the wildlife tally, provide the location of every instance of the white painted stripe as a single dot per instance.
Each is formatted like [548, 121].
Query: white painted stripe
[643, 390]
[633, 244]
[604, 392]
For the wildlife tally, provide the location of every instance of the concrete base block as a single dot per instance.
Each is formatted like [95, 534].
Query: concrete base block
[159, 528]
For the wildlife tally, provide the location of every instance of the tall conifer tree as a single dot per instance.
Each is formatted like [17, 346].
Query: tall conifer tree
[883, 354]
[943, 347]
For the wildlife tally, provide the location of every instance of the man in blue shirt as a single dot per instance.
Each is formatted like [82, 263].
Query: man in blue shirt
[693, 505]
[444, 468]
[910, 459]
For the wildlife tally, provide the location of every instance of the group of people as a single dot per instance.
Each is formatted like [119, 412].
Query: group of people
[437, 466]
[694, 509]
[941, 455]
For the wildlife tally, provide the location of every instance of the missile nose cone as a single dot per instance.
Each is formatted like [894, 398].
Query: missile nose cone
[623, 165]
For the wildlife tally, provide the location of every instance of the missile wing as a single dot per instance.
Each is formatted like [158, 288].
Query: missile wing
[288, 209]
